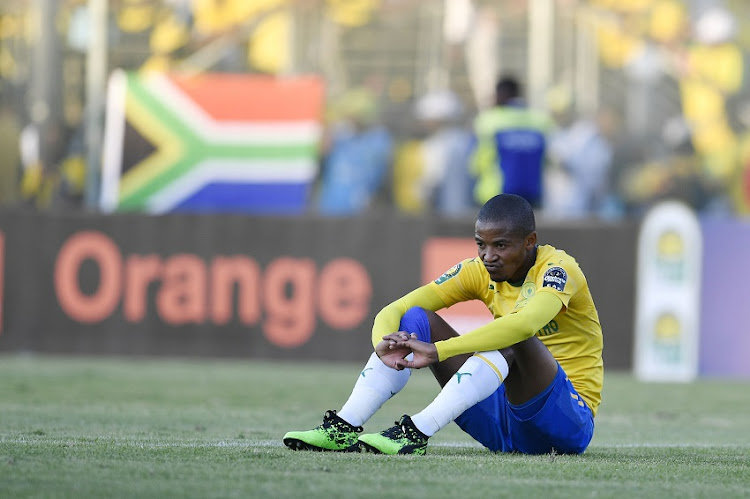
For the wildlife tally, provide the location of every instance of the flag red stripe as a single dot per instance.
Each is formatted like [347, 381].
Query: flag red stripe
[255, 98]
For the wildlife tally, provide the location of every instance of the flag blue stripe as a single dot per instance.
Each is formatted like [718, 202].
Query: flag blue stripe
[266, 198]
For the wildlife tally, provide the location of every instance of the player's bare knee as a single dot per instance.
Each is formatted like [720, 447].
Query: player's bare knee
[509, 355]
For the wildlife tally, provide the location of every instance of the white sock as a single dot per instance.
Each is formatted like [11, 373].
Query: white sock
[477, 379]
[375, 385]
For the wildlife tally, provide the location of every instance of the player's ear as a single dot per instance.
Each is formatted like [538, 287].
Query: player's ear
[531, 240]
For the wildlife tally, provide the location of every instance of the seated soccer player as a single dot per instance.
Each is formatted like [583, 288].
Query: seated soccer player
[529, 381]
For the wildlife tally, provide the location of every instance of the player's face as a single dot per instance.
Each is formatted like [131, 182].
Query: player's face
[506, 254]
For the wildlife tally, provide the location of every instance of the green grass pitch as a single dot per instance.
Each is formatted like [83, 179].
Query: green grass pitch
[114, 427]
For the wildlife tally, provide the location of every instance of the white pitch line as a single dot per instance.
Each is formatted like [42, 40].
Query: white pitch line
[277, 443]
[181, 445]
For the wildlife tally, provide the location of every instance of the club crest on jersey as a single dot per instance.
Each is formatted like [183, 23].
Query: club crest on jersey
[555, 278]
[451, 272]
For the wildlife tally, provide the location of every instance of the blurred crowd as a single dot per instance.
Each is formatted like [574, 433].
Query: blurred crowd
[680, 129]
[696, 148]
[450, 161]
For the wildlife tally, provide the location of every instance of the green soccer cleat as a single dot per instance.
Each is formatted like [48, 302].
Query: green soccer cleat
[334, 434]
[403, 438]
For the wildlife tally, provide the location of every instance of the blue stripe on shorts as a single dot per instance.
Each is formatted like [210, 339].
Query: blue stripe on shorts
[564, 423]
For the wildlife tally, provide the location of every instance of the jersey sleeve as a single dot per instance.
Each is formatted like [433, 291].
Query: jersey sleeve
[389, 318]
[462, 282]
[561, 277]
[503, 331]
[459, 283]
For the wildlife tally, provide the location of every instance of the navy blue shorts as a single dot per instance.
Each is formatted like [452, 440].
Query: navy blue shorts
[563, 424]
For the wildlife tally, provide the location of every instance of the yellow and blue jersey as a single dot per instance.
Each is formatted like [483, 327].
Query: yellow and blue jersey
[574, 336]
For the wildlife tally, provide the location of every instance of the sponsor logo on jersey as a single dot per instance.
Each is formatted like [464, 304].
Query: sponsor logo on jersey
[551, 328]
[555, 278]
[451, 272]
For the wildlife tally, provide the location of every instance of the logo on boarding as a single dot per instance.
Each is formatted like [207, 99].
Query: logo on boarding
[555, 278]
[451, 272]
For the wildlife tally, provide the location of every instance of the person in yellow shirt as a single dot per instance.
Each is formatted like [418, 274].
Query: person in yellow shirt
[530, 381]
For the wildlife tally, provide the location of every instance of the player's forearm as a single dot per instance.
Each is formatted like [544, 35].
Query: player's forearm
[504, 331]
[388, 319]
[498, 334]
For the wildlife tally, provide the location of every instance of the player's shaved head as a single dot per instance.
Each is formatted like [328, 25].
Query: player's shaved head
[509, 208]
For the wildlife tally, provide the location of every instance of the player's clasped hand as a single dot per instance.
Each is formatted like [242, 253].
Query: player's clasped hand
[392, 349]
[425, 354]
[398, 338]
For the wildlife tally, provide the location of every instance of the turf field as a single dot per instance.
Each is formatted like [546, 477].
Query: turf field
[91, 427]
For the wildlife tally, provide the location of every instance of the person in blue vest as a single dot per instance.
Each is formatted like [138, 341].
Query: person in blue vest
[511, 145]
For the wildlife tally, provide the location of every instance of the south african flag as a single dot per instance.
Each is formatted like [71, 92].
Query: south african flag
[211, 143]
